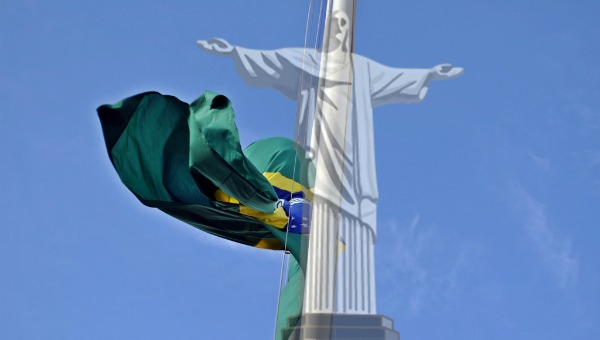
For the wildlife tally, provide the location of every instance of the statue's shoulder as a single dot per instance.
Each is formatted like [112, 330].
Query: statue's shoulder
[359, 58]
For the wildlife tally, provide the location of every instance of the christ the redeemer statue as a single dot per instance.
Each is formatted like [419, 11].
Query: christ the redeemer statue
[295, 73]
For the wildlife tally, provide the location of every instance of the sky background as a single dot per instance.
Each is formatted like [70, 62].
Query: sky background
[489, 211]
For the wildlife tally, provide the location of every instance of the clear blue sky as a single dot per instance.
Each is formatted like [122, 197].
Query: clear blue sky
[489, 210]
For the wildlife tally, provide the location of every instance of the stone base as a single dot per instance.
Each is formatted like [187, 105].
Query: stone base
[340, 326]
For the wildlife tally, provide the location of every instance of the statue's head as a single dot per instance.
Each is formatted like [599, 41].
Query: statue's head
[340, 32]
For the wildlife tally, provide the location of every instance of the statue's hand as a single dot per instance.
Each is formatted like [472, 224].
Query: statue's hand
[216, 45]
[445, 71]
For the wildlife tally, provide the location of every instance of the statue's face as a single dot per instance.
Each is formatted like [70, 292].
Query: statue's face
[340, 25]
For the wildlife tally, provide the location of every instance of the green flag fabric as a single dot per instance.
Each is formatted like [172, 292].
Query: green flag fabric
[216, 155]
[186, 160]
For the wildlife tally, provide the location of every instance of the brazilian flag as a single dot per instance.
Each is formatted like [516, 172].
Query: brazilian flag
[186, 160]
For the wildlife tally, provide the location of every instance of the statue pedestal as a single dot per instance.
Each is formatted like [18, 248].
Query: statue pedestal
[319, 326]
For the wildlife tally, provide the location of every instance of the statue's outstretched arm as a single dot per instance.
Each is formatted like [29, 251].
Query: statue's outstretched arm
[280, 69]
[402, 86]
